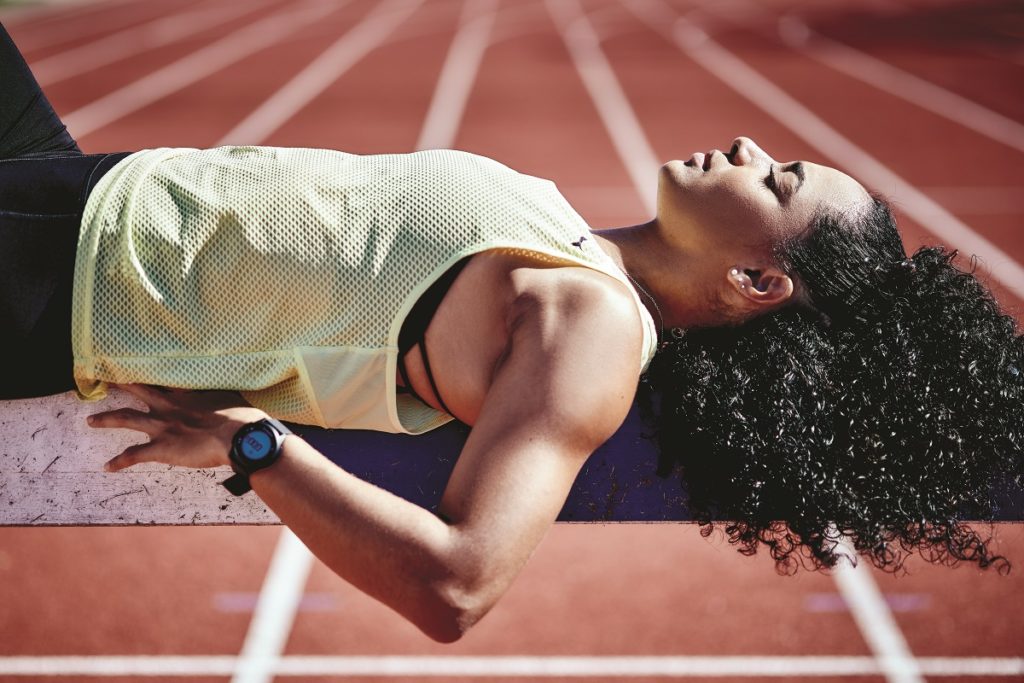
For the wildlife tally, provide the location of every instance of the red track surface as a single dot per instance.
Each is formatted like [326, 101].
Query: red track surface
[588, 590]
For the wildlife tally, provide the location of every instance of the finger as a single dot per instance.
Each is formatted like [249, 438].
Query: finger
[126, 418]
[149, 395]
[132, 455]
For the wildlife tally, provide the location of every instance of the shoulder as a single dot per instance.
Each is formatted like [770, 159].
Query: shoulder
[578, 301]
[573, 350]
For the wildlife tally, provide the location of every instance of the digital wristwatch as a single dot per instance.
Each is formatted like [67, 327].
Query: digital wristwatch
[255, 446]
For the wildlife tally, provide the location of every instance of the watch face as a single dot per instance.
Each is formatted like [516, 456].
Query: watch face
[256, 445]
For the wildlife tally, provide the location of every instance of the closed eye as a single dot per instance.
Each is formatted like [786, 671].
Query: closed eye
[769, 182]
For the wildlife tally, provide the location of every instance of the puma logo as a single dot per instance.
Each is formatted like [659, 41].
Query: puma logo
[580, 242]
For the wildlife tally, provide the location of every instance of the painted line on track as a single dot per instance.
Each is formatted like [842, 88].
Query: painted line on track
[794, 32]
[135, 40]
[980, 199]
[282, 591]
[461, 65]
[42, 13]
[753, 666]
[902, 84]
[196, 66]
[281, 594]
[869, 609]
[874, 619]
[275, 611]
[322, 72]
[613, 107]
[74, 26]
[870, 612]
[813, 130]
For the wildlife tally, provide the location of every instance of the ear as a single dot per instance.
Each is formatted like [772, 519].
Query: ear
[763, 287]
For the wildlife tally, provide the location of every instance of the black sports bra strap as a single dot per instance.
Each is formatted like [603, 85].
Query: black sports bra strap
[414, 327]
[430, 375]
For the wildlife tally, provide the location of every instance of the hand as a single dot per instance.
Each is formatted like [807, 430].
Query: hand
[187, 429]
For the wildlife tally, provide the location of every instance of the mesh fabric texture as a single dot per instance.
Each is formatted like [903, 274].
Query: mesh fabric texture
[285, 274]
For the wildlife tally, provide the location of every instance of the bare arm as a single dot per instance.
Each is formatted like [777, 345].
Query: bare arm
[561, 390]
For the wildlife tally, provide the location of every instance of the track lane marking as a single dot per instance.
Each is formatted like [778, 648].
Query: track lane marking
[135, 40]
[870, 611]
[319, 74]
[458, 74]
[32, 15]
[74, 28]
[873, 617]
[813, 130]
[899, 83]
[613, 107]
[979, 199]
[417, 667]
[192, 68]
[275, 611]
[281, 594]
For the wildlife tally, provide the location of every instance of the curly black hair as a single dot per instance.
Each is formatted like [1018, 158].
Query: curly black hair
[882, 409]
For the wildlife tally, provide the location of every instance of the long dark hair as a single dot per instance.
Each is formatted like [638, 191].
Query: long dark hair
[883, 408]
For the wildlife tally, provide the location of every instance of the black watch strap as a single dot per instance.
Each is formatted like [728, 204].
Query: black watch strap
[238, 484]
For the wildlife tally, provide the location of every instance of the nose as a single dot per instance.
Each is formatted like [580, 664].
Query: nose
[745, 151]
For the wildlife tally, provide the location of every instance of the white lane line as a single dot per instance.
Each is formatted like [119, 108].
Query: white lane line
[275, 611]
[630, 141]
[77, 22]
[135, 40]
[612, 105]
[918, 91]
[282, 591]
[42, 13]
[876, 623]
[194, 67]
[417, 667]
[458, 74]
[321, 72]
[813, 130]
[979, 199]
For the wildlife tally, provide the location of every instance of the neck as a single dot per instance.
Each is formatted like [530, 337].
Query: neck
[662, 271]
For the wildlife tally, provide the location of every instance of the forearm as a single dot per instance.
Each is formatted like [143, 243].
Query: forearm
[426, 570]
[389, 548]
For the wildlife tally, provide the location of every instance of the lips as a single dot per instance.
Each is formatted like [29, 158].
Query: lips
[701, 160]
[698, 160]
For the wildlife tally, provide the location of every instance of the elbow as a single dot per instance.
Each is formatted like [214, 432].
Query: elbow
[453, 614]
[448, 629]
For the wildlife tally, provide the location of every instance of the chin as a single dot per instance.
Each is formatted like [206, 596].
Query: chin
[675, 172]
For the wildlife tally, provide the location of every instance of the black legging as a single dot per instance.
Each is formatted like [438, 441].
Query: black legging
[44, 182]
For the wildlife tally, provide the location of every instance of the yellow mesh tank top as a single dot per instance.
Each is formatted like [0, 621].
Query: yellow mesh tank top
[286, 274]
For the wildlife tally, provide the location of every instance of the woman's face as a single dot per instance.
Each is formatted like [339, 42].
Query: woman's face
[746, 200]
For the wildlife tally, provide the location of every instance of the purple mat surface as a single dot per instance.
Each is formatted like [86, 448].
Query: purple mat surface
[618, 482]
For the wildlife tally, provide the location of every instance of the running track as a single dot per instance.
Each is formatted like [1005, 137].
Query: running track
[921, 99]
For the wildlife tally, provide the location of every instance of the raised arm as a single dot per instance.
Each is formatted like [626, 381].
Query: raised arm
[562, 388]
